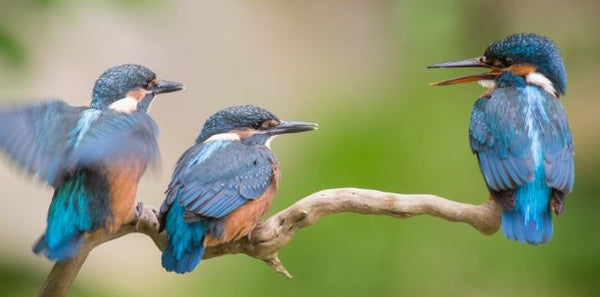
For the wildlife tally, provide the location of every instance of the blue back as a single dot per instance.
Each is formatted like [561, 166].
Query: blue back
[501, 134]
[524, 146]
[210, 181]
[215, 178]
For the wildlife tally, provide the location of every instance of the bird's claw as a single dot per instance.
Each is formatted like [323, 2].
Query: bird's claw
[249, 235]
[139, 212]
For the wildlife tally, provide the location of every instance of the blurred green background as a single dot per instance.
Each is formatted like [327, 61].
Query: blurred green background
[357, 68]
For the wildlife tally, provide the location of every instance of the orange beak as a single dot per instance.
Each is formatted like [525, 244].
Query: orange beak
[473, 62]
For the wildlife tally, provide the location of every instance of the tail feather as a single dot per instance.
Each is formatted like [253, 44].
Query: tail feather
[516, 227]
[182, 263]
[530, 220]
[185, 244]
[63, 250]
[68, 220]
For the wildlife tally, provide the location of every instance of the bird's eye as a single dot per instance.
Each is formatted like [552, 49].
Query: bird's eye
[266, 124]
[508, 61]
[149, 84]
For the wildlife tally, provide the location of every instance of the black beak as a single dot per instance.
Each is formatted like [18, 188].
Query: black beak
[473, 62]
[292, 127]
[165, 86]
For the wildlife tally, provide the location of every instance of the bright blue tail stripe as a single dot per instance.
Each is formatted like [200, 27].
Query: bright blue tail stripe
[530, 220]
[185, 244]
[68, 219]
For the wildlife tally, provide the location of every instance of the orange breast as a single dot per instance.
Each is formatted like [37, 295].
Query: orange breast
[123, 180]
[242, 221]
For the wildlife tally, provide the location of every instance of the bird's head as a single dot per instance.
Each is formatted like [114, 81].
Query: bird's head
[533, 57]
[135, 84]
[249, 123]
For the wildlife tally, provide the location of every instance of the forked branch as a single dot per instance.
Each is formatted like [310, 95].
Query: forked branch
[277, 231]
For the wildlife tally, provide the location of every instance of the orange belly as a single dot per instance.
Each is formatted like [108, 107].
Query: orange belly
[123, 180]
[242, 221]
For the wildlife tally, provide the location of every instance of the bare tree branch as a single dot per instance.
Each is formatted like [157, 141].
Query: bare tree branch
[272, 235]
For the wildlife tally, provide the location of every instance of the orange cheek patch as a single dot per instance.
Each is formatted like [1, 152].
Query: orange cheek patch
[522, 69]
[137, 94]
[244, 133]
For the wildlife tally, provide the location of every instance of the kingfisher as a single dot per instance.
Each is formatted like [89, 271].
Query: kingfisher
[222, 184]
[92, 156]
[520, 132]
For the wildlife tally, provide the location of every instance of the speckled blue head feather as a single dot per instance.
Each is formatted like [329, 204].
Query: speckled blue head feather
[117, 81]
[532, 49]
[225, 120]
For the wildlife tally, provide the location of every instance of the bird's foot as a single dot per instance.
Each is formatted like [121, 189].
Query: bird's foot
[249, 235]
[139, 213]
[145, 217]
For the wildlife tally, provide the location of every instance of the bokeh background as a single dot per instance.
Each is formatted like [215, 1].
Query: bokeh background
[358, 69]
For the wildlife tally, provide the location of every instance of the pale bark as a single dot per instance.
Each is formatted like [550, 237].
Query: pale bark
[276, 232]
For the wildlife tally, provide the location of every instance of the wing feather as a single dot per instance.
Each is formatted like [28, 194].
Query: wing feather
[500, 136]
[52, 139]
[217, 177]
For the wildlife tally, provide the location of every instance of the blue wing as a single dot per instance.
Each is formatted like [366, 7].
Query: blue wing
[558, 148]
[117, 137]
[36, 137]
[52, 139]
[215, 178]
[498, 135]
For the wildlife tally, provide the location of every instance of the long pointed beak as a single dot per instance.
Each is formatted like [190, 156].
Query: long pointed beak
[292, 127]
[165, 86]
[473, 62]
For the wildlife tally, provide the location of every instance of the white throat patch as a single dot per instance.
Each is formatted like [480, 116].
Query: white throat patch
[534, 78]
[223, 136]
[487, 83]
[538, 79]
[125, 105]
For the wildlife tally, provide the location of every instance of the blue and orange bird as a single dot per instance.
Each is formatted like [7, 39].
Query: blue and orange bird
[223, 184]
[520, 133]
[92, 156]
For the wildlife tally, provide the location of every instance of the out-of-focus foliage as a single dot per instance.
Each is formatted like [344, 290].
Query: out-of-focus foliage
[389, 132]
[10, 48]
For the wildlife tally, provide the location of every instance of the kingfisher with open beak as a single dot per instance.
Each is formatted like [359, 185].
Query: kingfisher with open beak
[222, 184]
[92, 156]
[520, 133]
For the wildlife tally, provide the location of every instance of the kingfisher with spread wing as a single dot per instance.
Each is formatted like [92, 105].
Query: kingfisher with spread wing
[92, 156]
